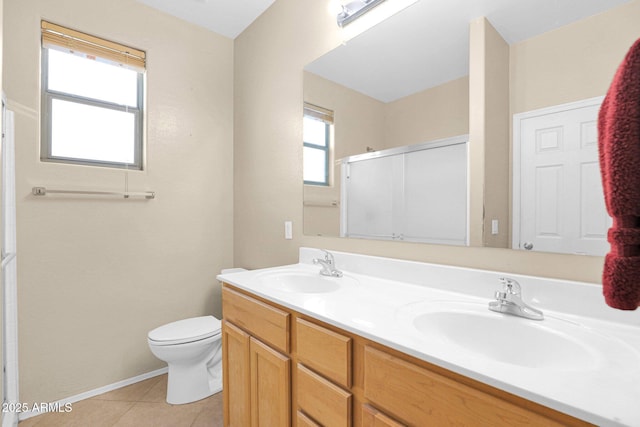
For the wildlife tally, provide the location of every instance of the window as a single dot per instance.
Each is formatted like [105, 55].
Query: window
[317, 131]
[92, 100]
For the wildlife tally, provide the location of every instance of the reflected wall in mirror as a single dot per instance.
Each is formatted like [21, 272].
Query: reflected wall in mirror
[416, 78]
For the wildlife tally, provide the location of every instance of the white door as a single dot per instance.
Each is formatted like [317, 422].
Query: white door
[561, 202]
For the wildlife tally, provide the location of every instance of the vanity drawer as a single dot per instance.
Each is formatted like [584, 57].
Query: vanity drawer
[322, 400]
[422, 397]
[324, 351]
[268, 323]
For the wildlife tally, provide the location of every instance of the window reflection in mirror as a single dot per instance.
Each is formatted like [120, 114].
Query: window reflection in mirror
[317, 131]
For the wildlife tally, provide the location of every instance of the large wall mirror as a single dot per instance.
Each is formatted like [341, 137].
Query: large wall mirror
[405, 83]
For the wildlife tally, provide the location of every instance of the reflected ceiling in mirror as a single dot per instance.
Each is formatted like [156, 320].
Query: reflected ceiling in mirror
[427, 44]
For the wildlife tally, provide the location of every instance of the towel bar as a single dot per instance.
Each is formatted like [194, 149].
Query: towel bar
[43, 191]
[322, 204]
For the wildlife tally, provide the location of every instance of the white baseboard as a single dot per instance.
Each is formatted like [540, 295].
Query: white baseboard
[96, 392]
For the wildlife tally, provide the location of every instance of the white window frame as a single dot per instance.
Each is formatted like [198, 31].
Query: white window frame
[47, 98]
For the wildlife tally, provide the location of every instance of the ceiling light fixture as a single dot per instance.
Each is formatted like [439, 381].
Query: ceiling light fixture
[355, 9]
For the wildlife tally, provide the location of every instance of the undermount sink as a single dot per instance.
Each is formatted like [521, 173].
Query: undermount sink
[304, 282]
[551, 344]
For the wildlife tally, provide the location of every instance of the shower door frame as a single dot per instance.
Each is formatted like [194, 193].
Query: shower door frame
[10, 391]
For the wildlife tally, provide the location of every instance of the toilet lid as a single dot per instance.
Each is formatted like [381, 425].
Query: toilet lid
[187, 330]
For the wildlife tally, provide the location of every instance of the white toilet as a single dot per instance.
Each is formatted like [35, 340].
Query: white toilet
[193, 350]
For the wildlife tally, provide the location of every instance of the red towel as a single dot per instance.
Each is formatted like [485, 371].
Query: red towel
[619, 152]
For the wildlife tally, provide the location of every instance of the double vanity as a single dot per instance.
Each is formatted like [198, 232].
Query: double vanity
[384, 342]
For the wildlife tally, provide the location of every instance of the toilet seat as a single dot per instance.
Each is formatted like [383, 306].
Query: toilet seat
[185, 331]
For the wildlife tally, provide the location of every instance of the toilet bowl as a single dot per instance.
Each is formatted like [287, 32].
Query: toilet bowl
[192, 349]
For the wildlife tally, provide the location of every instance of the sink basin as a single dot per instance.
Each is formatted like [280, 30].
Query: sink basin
[304, 282]
[552, 343]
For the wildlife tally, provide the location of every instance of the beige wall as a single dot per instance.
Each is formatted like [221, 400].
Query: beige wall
[95, 275]
[268, 129]
[435, 113]
[488, 135]
[359, 119]
[574, 62]
[268, 154]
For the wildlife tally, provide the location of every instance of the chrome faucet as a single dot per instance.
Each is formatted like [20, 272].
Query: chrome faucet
[328, 265]
[509, 301]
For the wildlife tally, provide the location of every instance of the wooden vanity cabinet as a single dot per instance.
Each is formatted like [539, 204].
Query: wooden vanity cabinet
[282, 368]
[256, 377]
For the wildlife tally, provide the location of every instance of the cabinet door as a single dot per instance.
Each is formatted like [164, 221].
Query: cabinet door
[236, 366]
[270, 386]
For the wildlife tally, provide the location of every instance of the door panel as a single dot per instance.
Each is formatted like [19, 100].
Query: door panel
[270, 386]
[236, 366]
[561, 199]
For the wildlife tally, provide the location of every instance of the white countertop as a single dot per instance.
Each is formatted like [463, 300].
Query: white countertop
[378, 305]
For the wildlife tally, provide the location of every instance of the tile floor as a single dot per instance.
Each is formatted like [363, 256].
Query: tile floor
[138, 405]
